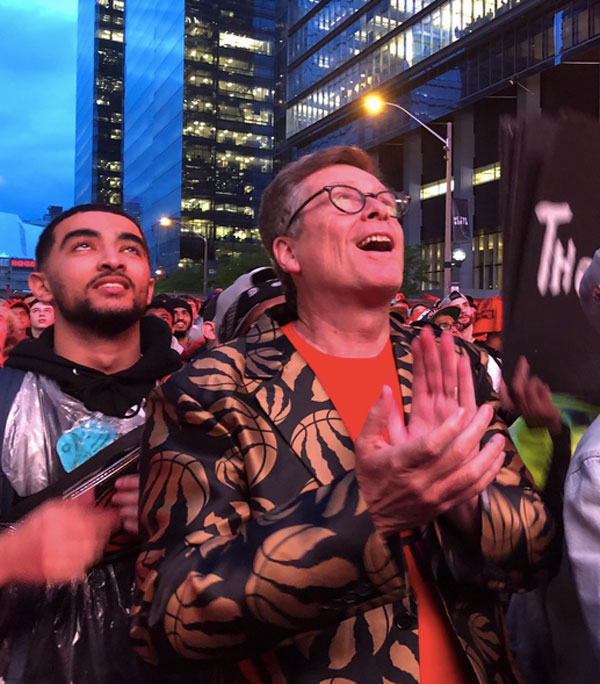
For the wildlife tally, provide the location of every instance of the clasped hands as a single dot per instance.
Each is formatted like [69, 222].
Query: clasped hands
[434, 465]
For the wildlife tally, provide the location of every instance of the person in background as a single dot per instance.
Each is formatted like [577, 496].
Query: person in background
[447, 318]
[182, 320]
[417, 313]
[578, 639]
[41, 316]
[10, 333]
[21, 309]
[195, 333]
[209, 336]
[464, 330]
[161, 308]
[467, 313]
[243, 302]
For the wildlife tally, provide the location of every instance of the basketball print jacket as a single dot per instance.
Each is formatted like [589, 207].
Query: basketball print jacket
[261, 562]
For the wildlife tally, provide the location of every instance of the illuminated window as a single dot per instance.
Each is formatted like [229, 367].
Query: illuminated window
[198, 154]
[486, 174]
[246, 92]
[487, 261]
[236, 66]
[199, 129]
[198, 226]
[235, 209]
[196, 27]
[431, 253]
[445, 24]
[199, 78]
[199, 55]
[434, 189]
[115, 134]
[196, 204]
[263, 142]
[109, 85]
[230, 160]
[247, 113]
[234, 40]
[198, 104]
[118, 5]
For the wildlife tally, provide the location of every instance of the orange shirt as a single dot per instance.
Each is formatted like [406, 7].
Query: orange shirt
[354, 385]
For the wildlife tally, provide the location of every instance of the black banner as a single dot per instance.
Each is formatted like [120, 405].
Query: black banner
[551, 204]
[461, 231]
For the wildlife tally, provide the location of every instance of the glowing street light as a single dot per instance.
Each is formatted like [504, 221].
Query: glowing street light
[374, 104]
[158, 272]
[165, 221]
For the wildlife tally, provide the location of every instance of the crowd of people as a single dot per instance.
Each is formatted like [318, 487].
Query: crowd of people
[304, 477]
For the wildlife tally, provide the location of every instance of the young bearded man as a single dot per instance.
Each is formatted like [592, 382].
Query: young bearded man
[67, 395]
[328, 498]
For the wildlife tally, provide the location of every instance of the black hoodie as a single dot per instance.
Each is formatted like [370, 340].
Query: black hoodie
[115, 394]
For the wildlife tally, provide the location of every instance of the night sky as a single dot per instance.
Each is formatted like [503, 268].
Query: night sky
[38, 41]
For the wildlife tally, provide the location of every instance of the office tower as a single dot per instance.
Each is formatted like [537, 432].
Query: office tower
[470, 62]
[198, 121]
[99, 115]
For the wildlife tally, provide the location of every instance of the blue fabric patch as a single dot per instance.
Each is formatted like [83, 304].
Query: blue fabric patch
[80, 443]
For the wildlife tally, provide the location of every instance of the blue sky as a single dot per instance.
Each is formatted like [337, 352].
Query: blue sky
[38, 41]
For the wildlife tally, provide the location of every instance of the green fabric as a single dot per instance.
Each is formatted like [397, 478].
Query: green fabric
[535, 444]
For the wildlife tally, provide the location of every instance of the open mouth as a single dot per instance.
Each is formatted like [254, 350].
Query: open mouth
[376, 243]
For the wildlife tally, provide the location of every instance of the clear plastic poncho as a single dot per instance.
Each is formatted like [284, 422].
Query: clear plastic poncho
[77, 633]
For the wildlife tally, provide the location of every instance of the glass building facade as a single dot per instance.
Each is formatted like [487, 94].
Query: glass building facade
[99, 115]
[470, 62]
[199, 124]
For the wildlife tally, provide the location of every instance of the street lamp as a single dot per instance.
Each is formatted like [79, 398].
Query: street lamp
[374, 104]
[458, 256]
[167, 221]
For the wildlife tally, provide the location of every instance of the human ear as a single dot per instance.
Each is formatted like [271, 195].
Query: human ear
[285, 255]
[150, 294]
[38, 284]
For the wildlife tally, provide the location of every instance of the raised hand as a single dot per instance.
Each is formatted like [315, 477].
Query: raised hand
[56, 543]
[126, 500]
[532, 399]
[435, 465]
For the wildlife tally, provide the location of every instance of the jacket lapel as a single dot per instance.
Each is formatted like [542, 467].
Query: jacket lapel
[291, 397]
[402, 337]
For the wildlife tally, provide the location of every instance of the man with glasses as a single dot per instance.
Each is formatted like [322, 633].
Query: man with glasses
[331, 497]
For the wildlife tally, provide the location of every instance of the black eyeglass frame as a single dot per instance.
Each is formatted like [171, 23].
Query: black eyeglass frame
[328, 188]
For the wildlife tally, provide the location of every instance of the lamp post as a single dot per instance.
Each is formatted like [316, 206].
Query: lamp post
[168, 221]
[374, 105]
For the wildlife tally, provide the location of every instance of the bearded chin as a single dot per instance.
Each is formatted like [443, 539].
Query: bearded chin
[104, 324]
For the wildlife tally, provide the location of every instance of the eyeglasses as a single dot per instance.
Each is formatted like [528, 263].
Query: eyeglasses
[351, 201]
[450, 326]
